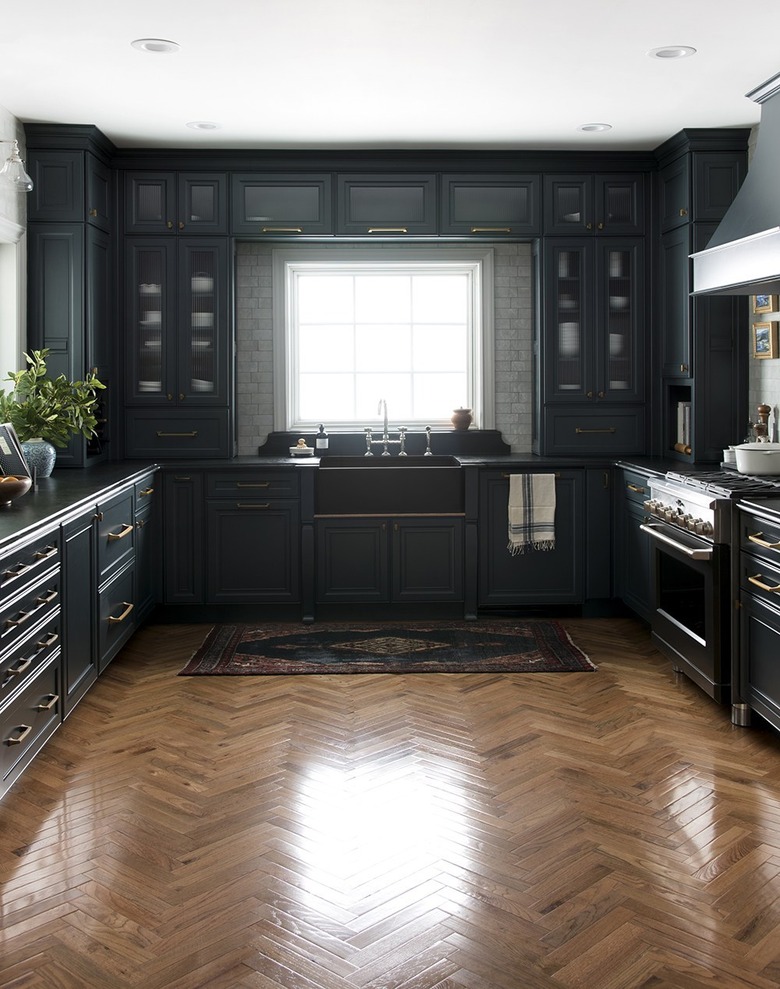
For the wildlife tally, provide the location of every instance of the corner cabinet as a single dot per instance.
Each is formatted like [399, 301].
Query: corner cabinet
[534, 577]
[178, 347]
[591, 357]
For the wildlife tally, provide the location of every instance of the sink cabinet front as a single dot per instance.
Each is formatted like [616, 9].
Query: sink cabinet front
[389, 560]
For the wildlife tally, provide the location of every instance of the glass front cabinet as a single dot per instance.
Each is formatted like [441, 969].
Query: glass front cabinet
[594, 327]
[591, 363]
[178, 336]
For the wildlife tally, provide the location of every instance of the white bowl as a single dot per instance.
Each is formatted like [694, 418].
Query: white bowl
[615, 344]
[203, 319]
[618, 301]
[198, 384]
[758, 458]
[202, 283]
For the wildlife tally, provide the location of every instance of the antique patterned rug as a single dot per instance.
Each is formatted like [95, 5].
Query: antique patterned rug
[486, 646]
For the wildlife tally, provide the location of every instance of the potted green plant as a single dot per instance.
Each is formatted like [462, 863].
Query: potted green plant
[46, 412]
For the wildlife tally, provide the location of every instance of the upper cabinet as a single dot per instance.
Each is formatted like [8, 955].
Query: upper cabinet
[386, 205]
[698, 187]
[171, 203]
[281, 205]
[492, 206]
[70, 187]
[577, 205]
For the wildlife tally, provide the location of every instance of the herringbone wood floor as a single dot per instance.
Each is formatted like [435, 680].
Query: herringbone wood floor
[537, 831]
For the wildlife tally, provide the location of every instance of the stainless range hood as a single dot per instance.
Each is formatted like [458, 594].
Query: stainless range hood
[743, 256]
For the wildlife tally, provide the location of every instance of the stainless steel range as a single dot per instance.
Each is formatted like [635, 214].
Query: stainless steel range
[693, 528]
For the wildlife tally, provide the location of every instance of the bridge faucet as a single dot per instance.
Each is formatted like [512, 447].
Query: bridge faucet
[385, 441]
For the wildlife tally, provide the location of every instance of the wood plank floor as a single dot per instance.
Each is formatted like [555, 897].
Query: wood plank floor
[541, 831]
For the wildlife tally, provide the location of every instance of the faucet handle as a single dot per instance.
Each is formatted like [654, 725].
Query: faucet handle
[428, 452]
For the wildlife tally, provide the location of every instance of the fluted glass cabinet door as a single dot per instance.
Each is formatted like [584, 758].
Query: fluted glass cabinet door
[152, 319]
[620, 267]
[569, 314]
[202, 322]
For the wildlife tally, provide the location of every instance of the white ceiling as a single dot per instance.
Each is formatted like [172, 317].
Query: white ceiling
[388, 73]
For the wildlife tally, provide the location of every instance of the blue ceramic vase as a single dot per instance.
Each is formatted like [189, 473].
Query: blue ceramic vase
[40, 456]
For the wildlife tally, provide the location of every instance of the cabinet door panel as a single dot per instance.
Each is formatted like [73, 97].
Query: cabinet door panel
[533, 577]
[58, 186]
[116, 615]
[386, 204]
[675, 193]
[570, 307]
[79, 553]
[427, 560]
[202, 358]
[716, 181]
[352, 561]
[760, 658]
[151, 314]
[281, 205]
[675, 304]
[183, 548]
[100, 200]
[150, 202]
[620, 204]
[202, 207]
[620, 328]
[568, 204]
[253, 552]
[494, 205]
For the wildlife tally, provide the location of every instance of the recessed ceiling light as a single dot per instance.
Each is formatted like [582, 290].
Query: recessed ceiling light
[594, 128]
[672, 51]
[155, 46]
[203, 125]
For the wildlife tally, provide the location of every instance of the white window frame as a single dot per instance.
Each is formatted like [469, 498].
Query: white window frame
[287, 261]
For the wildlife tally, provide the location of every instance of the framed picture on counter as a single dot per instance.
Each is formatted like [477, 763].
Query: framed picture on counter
[765, 340]
[764, 303]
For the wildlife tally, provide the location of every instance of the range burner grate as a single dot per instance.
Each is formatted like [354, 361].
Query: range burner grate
[726, 483]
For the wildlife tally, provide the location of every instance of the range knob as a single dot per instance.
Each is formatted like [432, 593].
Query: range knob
[704, 528]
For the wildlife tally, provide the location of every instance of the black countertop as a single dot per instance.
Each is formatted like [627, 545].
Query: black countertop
[66, 493]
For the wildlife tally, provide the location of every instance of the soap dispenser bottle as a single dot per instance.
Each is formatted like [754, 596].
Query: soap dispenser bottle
[321, 442]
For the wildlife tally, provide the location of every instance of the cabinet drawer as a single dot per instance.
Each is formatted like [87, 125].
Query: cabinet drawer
[145, 493]
[253, 485]
[202, 433]
[29, 720]
[34, 605]
[636, 487]
[116, 615]
[760, 538]
[760, 578]
[116, 533]
[610, 431]
[28, 655]
[28, 562]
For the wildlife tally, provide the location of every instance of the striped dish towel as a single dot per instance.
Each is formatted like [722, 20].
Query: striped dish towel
[531, 512]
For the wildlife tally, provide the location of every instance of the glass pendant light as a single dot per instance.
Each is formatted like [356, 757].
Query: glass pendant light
[13, 171]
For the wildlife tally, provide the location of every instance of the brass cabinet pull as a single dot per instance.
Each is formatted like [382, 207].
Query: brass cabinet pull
[24, 731]
[46, 553]
[16, 622]
[243, 504]
[92, 211]
[253, 484]
[556, 474]
[13, 572]
[773, 588]
[683, 211]
[45, 643]
[635, 489]
[121, 618]
[180, 477]
[491, 230]
[600, 225]
[181, 224]
[191, 435]
[141, 523]
[47, 598]
[127, 528]
[49, 704]
[755, 538]
[21, 666]
[388, 230]
[608, 429]
[282, 230]
[146, 491]
[683, 369]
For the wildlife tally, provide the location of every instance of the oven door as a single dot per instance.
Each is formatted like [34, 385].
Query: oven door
[690, 612]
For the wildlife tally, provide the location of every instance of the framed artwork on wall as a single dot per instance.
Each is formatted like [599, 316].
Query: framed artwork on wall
[764, 303]
[765, 340]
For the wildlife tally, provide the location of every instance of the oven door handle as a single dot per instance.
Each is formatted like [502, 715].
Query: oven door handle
[654, 529]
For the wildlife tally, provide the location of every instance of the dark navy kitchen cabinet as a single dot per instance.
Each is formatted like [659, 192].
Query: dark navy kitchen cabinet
[253, 537]
[535, 577]
[79, 607]
[386, 205]
[281, 205]
[493, 206]
[183, 543]
[577, 205]
[633, 560]
[389, 560]
[176, 203]
[703, 340]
